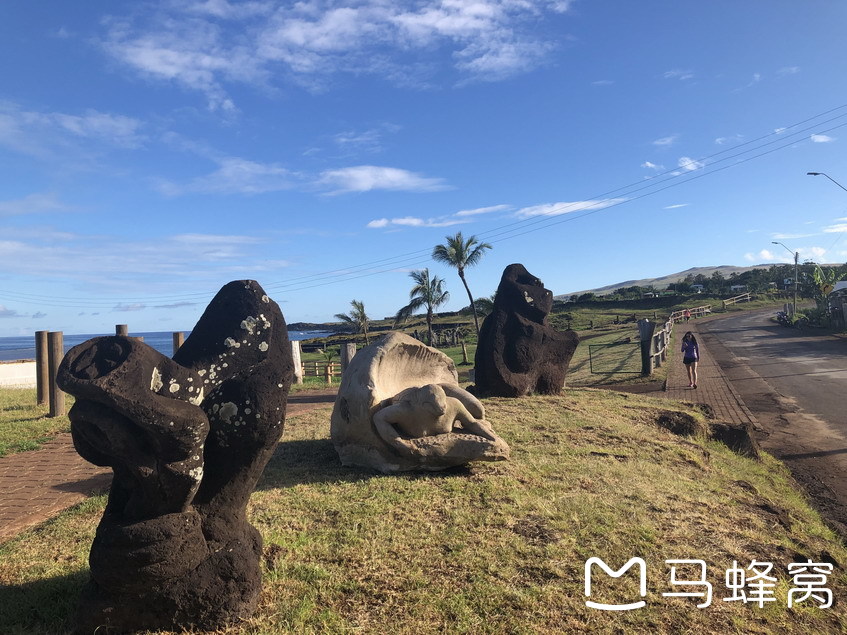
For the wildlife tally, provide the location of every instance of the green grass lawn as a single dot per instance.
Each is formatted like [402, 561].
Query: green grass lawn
[494, 547]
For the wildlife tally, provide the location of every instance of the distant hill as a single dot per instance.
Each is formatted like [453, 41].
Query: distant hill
[664, 281]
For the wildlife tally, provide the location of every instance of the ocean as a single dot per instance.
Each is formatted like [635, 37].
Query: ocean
[15, 348]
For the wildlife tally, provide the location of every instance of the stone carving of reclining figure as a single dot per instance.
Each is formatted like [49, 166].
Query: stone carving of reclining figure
[400, 408]
[428, 411]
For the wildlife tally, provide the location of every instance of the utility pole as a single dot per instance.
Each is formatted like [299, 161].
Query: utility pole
[796, 282]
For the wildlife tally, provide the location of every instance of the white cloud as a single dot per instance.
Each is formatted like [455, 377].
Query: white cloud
[677, 206]
[812, 253]
[32, 204]
[482, 210]
[366, 178]
[411, 221]
[679, 74]
[790, 236]
[111, 263]
[49, 134]
[7, 313]
[190, 53]
[689, 165]
[765, 255]
[602, 82]
[128, 308]
[206, 45]
[652, 166]
[555, 209]
[779, 130]
[789, 70]
[175, 305]
[213, 247]
[732, 139]
[755, 79]
[666, 141]
[363, 141]
[236, 176]
[838, 228]
[229, 11]
[822, 138]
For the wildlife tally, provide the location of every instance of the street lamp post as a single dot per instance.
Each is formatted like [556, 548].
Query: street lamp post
[796, 260]
[827, 176]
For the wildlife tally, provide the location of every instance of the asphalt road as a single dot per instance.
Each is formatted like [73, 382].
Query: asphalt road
[806, 365]
[795, 383]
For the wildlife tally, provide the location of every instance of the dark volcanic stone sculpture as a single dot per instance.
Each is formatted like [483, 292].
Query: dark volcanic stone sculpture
[518, 352]
[187, 439]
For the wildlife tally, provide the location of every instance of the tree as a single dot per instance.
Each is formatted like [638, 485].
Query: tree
[427, 292]
[460, 253]
[356, 318]
[484, 306]
[825, 280]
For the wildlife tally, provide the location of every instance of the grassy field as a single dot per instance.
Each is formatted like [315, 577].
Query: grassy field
[23, 424]
[494, 548]
[614, 347]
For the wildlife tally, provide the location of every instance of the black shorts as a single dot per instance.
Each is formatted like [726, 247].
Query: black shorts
[688, 360]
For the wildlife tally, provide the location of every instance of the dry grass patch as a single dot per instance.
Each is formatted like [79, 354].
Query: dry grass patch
[497, 547]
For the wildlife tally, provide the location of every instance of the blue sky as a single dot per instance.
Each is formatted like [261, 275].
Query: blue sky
[153, 151]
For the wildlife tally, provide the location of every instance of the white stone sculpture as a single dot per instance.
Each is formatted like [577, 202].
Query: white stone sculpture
[400, 408]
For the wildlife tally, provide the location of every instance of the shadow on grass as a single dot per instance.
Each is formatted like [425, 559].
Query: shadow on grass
[43, 606]
[315, 461]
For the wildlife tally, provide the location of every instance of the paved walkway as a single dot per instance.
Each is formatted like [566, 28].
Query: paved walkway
[34, 486]
[713, 387]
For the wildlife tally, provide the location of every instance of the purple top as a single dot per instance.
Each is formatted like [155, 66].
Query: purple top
[689, 349]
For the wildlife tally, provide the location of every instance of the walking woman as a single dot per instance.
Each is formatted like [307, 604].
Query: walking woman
[690, 357]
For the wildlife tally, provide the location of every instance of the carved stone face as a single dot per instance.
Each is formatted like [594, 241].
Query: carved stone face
[432, 399]
[400, 408]
[525, 293]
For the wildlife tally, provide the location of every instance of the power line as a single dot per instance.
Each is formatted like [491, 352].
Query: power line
[703, 166]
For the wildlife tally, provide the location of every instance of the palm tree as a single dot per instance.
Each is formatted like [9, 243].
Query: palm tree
[357, 318]
[427, 292]
[460, 253]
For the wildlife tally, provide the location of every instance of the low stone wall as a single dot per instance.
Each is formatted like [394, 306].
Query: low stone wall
[17, 374]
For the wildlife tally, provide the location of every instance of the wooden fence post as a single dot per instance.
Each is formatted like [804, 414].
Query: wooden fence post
[55, 352]
[121, 329]
[645, 333]
[179, 340]
[328, 373]
[348, 350]
[42, 372]
[297, 358]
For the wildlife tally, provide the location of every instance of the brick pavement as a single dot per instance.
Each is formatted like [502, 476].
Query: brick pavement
[713, 387]
[37, 485]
